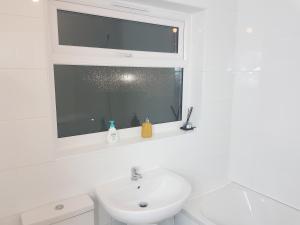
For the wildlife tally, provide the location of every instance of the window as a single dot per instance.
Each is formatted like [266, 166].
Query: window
[78, 29]
[87, 97]
[111, 64]
[103, 31]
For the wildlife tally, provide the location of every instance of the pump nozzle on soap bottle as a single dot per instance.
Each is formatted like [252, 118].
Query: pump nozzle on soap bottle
[112, 136]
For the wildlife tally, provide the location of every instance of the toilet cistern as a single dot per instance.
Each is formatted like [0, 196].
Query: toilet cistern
[78, 210]
[135, 175]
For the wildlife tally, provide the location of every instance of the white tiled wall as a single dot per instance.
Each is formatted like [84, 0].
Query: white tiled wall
[265, 139]
[22, 42]
[22, 8]
[25, 100]
[25, 127]
[30, 176]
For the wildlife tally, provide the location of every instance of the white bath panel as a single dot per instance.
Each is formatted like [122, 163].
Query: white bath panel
[183, 219]
[169, 221]
[116, 222]
[165, 222]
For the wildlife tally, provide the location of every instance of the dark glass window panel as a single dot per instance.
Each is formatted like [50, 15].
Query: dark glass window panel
[87, 97]
[78, 29]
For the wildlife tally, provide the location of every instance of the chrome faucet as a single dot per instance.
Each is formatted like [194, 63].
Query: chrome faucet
[135, 175]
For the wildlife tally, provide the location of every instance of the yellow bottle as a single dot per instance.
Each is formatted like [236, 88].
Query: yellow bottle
[147, 129]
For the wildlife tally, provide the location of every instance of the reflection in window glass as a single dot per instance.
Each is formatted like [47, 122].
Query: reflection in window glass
[78, 29]
[87, 97]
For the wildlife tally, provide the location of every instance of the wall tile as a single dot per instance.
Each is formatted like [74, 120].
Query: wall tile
[219, 39]
[218, 85]
[25, 94]
[12, 220]
[218, 111]
[22, 42]
[22, 8]
[25, 142]
[35, 143]
[8, 97]
[265, 132]
[8, 149]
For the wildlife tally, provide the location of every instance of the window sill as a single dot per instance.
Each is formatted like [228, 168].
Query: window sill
[83, 149]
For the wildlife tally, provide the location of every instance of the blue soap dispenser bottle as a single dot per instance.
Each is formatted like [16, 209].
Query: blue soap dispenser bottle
[112, 136]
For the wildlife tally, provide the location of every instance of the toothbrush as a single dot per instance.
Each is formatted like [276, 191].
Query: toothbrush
[190, 110]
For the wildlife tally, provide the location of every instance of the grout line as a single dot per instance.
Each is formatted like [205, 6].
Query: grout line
[28, 166]
[20, 15]
[22, 68]
[23, 119]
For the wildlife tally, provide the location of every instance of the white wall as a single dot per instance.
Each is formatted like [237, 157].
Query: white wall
[29, 173]
[265, 139]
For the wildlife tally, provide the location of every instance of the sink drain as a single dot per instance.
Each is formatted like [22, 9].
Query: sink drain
[143, 204]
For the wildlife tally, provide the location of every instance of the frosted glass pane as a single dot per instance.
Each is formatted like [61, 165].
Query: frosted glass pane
[78, 29]
[87, 97]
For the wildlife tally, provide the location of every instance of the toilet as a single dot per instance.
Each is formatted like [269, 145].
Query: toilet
[74, 211]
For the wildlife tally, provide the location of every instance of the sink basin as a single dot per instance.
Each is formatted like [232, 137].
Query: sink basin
[159, 195]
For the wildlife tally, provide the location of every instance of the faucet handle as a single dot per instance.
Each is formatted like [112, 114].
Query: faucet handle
[135, 175]
[134, 169]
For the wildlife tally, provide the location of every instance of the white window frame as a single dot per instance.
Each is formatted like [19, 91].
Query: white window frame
[73, 55]
[66, 49]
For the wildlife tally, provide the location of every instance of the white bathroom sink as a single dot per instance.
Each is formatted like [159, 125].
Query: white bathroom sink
[160, 194]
